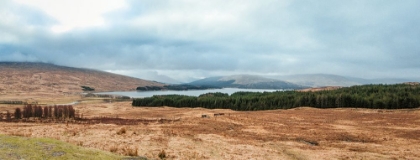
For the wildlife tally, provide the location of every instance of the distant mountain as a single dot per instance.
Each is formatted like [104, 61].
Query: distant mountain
[29, 77]
[321, 80]
[245, 81]
[163, 79]
[391, 80]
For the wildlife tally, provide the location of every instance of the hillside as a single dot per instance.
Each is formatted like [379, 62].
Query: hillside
[323, 80]
[246, 81]
[27, 77]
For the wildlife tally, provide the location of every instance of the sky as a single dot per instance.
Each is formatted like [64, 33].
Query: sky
[185, 40]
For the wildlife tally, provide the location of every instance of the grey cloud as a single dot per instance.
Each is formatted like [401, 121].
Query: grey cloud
[366, 38]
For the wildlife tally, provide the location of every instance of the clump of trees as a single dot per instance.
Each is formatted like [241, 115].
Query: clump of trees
[380, 96]
[176, 87]
[57, 112]
[87, 88]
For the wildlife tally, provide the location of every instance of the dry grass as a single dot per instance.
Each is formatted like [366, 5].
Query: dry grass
[279, 134]
[130, 151]
[20, 134]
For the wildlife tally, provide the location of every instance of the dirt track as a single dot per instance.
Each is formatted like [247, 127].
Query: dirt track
[302, 133]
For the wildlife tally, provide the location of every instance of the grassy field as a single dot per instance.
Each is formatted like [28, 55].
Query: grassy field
[13, 147]
[300, 133]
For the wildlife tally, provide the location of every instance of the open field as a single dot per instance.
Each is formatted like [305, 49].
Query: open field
[301, 133]
[12, 147]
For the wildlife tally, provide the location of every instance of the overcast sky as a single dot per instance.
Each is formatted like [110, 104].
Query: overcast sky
[191, 39]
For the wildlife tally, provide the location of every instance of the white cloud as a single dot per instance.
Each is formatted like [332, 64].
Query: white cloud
[75, 13]
[194, 20]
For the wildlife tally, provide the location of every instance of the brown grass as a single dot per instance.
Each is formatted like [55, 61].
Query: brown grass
[130, 151]
[302, 133]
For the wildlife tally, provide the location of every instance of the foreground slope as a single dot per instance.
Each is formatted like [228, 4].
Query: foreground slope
[246, 81]
[28, 77]
[12, 147]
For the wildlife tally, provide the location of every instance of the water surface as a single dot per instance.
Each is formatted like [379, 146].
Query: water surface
[142, 94]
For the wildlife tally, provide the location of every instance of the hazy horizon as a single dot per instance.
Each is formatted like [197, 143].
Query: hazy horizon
[188, 40]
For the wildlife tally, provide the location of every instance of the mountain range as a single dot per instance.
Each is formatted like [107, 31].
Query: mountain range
[33, 77]
[291, 81]
[246, 81]
[321, 80]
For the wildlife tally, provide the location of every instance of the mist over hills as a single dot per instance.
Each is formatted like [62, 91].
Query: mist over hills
[246, 81]
[297, 81]
[321, 80]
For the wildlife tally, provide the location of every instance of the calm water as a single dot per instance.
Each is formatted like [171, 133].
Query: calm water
[142, 94]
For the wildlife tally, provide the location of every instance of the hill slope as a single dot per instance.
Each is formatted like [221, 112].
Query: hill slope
[246, 81]
[12, 147]
[321, 80]
[42, 77]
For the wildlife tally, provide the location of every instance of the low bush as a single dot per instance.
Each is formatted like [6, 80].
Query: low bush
[130, 151]
[162, 154]
[122, 131]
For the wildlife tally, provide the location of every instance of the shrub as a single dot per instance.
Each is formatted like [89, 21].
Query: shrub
[50, 114]
[128, 151]
[38, 111]
[56, 112]
[59, 112]
[113, 149]
[122, 131]
[162, 154]
[18, 113]
[8, 116]
[87, 88]
[64, 111]
[27, 111]
[46, 112]
[71, 111]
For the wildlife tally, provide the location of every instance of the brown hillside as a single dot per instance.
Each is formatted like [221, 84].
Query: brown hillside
[316, 89]
[24, 77]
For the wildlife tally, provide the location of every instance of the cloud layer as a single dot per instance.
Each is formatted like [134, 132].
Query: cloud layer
[187, 40]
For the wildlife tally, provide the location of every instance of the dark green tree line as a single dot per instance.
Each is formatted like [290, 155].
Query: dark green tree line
[367, 96]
